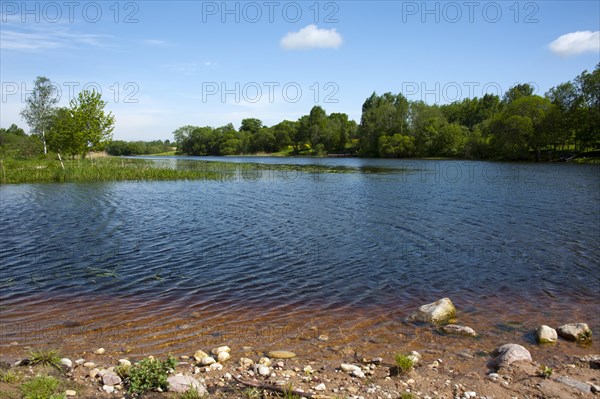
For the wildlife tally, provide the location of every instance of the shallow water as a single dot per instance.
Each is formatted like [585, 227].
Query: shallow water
[263, 255]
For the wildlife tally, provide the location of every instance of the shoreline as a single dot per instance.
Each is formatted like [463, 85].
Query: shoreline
[450, 365]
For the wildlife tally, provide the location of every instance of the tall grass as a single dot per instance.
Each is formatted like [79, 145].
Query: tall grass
[46, 170]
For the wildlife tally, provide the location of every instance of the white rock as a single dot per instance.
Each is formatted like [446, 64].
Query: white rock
[349, 368]
[89, 365]
[546, 335]
[79, 361]
[100, 351]
[93, 373]
[435, 313]
[199, 355]
[223, 356]
[308, 370]
[66, 362]
[216, 367]
[227, 376]
[110, 378]
[70, 392]
[183, 383]
[263, 370]
[265, 361]
[207, 361]
[320, 387]
[108, 388]
[124, 363]
[358, 374]
[575, 332]
[470, 394]
[219, 349]
[510, 353]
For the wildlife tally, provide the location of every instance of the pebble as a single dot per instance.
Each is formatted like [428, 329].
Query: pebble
[458, 330]
[308, 370]
[470, 394]
[100, 351]
[124, 363]
[93, 373]
[70, 392]
[349, 368]
[263, 370]
[323, 337]
[89, 365]
[108, 388]
[207, 360]
[264, 361]
[281, 354]
[320, 387]
[377, 360]
[79, 361]
[184, 357]
[510, 353]
[66, 362]
[199, 355]
[216, 367]
[280, 365]
[227, 376]
[223, 356]
[219, 349]
[246, 362]
[358, 374]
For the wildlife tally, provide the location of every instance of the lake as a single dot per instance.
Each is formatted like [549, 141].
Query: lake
[279, 255]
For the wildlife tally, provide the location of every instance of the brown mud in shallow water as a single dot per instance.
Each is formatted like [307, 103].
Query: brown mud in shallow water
[137, 328]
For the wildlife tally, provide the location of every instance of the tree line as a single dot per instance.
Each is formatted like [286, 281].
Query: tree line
[520, 125]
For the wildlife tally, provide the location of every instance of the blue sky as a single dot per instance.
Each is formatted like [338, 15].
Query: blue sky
[161, 65]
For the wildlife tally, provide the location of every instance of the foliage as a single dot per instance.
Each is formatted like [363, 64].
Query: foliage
[39, 107]
[49, 357]
[126, 148]
[545, 371]
[150, 374]
[404, 363]
[82, 127]
[42, 387]
[10, 377]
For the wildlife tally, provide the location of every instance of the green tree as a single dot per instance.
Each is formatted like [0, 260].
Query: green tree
[382, 115]
[94, 126]
[517, 91]
[39, 108]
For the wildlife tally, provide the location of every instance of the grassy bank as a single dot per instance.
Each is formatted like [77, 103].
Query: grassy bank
[47, 170]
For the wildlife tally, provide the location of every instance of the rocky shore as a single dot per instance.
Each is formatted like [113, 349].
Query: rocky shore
[509, 371]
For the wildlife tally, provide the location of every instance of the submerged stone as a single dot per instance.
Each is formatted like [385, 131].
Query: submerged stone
[437, 312]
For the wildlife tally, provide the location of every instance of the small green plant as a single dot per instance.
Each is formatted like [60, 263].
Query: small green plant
[42, 387]
[150, 374]
[190, 394]
[545, 371]
[49, 357]
[10, 377]
[406, 395]
[289, 393]
[251, 393]
[404, 363]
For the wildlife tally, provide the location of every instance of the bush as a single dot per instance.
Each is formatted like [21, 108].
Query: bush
[150, 374]
[42, 387]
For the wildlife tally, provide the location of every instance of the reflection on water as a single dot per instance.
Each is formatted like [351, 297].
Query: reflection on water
[354, 244]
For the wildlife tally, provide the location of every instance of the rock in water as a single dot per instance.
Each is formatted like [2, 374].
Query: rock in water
[510, 353]
[435, 313]
[458, 330]
[219, 349]
[199, 355]
[546, 335]
[183, 383]
[281, 354]
[575, 332]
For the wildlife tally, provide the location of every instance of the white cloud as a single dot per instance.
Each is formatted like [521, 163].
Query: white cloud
[153, 42]
[311, 37]
[33, 39]
[576, 43]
